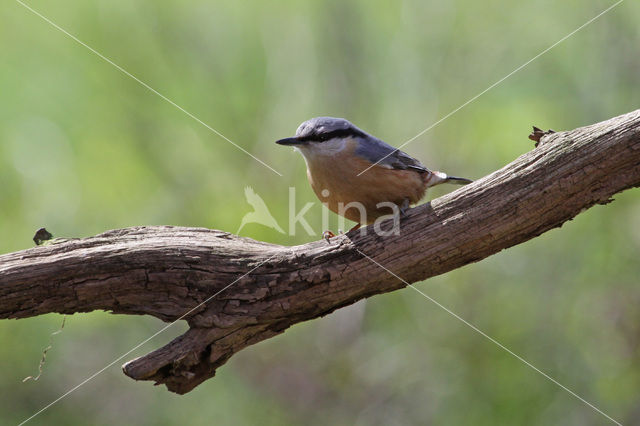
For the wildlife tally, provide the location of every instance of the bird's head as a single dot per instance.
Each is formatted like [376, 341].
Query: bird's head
[323, 135]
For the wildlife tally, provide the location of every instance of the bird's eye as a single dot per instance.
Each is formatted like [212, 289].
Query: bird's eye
[323, 137]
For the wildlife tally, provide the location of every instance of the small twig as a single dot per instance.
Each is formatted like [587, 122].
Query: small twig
[537, 134]
[41, 236]
[44, 352]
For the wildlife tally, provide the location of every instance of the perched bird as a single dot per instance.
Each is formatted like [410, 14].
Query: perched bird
[347, 165]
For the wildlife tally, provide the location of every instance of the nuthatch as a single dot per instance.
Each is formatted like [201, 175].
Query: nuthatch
[337, 153]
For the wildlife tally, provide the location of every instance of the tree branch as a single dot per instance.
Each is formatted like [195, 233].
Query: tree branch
[167, 271]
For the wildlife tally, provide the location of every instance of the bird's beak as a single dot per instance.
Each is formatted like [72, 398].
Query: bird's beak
[290, 141]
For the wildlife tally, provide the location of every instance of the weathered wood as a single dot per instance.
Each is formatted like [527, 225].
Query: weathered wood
[167, 271]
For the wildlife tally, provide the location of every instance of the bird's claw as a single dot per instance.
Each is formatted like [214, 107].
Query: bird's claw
[404, 207]
[328, 234]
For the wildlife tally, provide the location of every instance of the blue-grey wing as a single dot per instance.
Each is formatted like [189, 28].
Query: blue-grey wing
[377, 151]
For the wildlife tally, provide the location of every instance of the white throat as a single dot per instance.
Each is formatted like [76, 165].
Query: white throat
[325, 149]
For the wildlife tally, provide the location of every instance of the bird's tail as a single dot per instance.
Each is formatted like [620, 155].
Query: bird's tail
[436, 178]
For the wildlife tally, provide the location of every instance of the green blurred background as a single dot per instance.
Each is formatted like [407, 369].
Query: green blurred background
[84, 149]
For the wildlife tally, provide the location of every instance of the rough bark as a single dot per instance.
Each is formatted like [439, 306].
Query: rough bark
[167, 271]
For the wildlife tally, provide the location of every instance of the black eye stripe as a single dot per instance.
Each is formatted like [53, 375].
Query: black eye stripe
[338, 133]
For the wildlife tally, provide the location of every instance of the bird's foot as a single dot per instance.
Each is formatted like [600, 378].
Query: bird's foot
[404, 207]
[327, 234]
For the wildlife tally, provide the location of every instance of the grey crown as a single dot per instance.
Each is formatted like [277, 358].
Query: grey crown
[320, 129]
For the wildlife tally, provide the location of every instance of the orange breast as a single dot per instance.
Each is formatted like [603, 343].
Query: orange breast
[335, 180]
